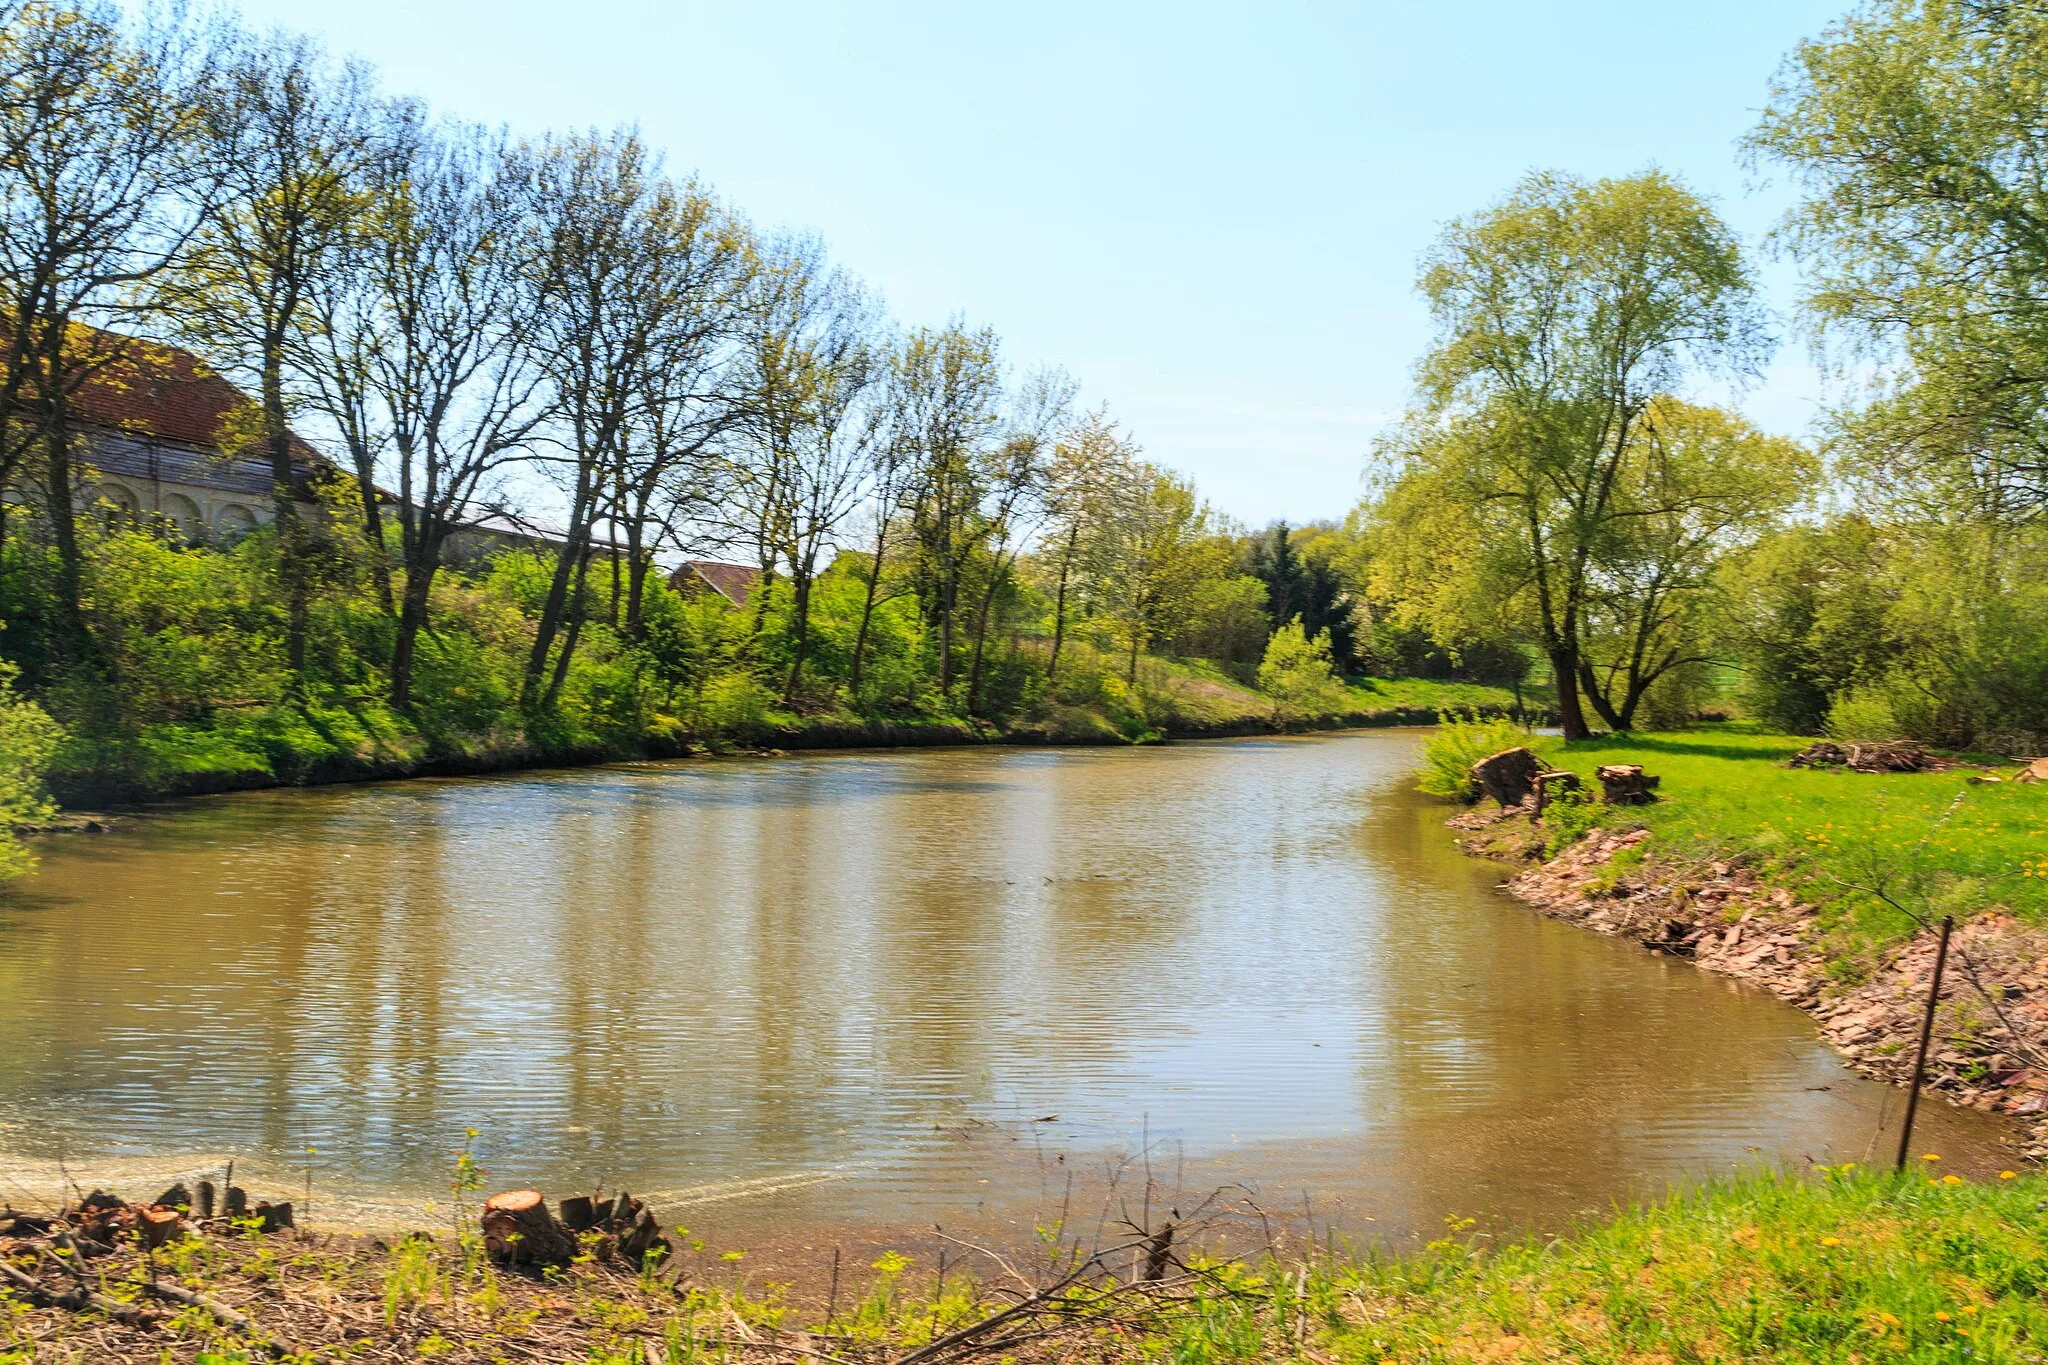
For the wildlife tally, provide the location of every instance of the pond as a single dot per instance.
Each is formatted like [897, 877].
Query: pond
[883, 989]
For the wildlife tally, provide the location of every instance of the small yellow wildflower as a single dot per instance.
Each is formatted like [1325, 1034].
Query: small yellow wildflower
[1931, 1156]
[2008, 1175]
[1830, 1241]
[1940, 1317]
[1951, 1180]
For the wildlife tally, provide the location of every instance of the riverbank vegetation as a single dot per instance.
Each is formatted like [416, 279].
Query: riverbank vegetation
[1837, 1265]
[1565, 480]
[546, 371]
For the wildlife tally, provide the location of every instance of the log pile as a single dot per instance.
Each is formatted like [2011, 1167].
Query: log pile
[1893, 756]
[519, 1230]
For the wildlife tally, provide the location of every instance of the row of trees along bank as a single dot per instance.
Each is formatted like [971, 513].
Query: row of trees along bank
[480, 326]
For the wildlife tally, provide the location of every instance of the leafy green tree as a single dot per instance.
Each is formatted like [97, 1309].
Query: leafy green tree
[1918, 130]
[290, 133]
[1701, 484]
[1561, 313]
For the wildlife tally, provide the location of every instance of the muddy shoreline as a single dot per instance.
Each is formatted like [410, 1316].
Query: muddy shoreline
[1990, 1049]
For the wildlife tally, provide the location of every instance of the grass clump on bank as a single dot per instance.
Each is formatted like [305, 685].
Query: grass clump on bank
[1838, 1266]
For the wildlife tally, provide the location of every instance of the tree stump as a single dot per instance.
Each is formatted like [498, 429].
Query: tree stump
[205, 1206]
[272, 1217]
[1509, 776]
[1626, 784]
[156, 1226]
[237, 1203]
[519, 1230]
[176, 1197]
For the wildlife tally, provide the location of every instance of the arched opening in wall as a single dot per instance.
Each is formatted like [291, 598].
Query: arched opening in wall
[119, 508]
[232, 522]
[181, 519]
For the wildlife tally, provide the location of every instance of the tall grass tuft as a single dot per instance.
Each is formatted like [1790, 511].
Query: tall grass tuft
[1449, 754]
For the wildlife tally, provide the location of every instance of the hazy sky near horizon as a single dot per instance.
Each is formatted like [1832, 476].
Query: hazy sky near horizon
[1209, 214]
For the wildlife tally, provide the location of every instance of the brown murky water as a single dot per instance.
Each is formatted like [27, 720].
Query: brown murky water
[847, 989]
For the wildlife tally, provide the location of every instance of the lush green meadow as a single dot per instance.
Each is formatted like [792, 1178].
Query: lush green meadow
[1936, 842]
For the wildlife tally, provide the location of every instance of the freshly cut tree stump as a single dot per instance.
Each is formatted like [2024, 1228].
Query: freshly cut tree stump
[1626, 784]
[519, 1230]
[156, 1226]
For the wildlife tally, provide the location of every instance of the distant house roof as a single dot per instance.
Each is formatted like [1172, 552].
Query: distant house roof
[733, 582]
[151, 389]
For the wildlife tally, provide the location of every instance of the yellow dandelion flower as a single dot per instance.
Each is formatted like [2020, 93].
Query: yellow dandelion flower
[1951, 1180]
[1940, 1317]
[1830, 1241]
[2008, 1175]
[1931, 1156]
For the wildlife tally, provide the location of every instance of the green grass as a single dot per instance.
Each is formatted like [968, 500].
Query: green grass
[1822, 831]
[1843, 1266]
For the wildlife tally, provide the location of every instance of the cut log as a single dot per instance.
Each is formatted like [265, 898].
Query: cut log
[2037, 771]
[519, 1230]
[156, 1226]
[1509, 776]
[1626, 784]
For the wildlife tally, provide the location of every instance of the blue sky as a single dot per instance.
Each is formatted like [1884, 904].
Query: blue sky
[1209, 214]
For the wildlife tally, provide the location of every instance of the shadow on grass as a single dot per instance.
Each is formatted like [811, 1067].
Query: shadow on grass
[1671, 744]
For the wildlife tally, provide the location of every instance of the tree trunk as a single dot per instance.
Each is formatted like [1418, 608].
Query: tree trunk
[412, 616]
[1564, 669]
[577, 613]
[800, 610]
[566, 561]
[1059, 611]
[373, 530]
[867, 611]
[1598, 696]
[291, 548]
[988, 597]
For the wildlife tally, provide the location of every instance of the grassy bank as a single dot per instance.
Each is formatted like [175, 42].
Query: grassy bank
[1938, 842]
[1836, 1266]
[1175, 699]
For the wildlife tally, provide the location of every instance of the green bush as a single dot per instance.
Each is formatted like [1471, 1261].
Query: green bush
[1298, 675]
[28, 741]
[1448, 755]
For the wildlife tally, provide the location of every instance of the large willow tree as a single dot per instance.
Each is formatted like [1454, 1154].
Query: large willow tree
[1562, 313]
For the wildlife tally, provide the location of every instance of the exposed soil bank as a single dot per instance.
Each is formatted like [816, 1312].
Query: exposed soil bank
[1990, 1047]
